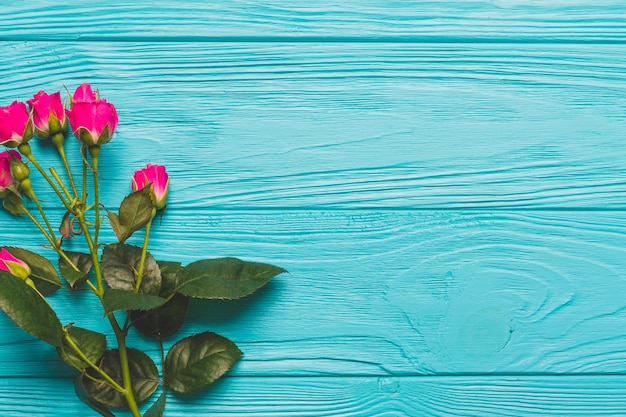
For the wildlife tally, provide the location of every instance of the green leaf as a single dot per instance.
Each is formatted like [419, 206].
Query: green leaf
[144, 378]
[135, 212]
[82, 261]
[168, 276]
[81, 393]
[29, 310]
[119, 230]
[123, 300]
[13, 202]
[136, 209]
[120, 264]
[164, 321]
[224, 278]
[158, 408]
[197, 361]
[43, 273]
[92, 344]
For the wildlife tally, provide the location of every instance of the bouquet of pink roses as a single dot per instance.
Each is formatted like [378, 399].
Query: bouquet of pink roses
[135, 290]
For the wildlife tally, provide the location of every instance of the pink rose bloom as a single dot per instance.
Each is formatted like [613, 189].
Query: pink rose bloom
[12, 265]
[6, 178]
[16, 125]
[48, 114]
[93, 123]
[84, 94]
[158, 179]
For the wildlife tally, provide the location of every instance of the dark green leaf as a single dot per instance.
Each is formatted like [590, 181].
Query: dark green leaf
[13, 202]
[82, 261]
[91, 343]
[136, 209]
[29, 310]
[199, 360]
[158, 408]
[120, 231]
[164, 321]
[120, 265]
[224, 278]
[135, 212]
[143, 374]
[122, 300]
[168, 276]
[43, 273]
[81, 393]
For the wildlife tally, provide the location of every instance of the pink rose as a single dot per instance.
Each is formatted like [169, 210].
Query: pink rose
[84, 94]
[6, 178]
[158, 179]
[12, 265]
[93, 123]
[48, 114]
[16, 126]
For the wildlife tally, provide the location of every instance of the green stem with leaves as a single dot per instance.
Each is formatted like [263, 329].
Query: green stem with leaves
[120, 334]
[27, 188]
[52, 241]
[92, 243]
[95, 367]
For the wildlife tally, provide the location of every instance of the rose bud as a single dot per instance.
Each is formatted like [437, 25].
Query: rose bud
[93, 123]
[16, 125]
[49, 116]
[158, 179]
[84, 94]
[12, 265]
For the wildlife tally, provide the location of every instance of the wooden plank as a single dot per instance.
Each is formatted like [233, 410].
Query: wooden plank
[391, 292]
[375, 20]
[352, 125]
[354, 396]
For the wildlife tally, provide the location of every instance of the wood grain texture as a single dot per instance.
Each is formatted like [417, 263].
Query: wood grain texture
[327, 20]
[358, 396]
[393, 293]
[352, 125]
[444, 181]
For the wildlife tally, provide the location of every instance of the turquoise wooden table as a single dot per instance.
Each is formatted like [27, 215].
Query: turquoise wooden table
[445, 182]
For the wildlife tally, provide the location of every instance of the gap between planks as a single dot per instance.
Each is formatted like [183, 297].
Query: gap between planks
[420, 40]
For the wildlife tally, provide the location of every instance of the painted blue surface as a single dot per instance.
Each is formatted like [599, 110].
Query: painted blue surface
[443, 180]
